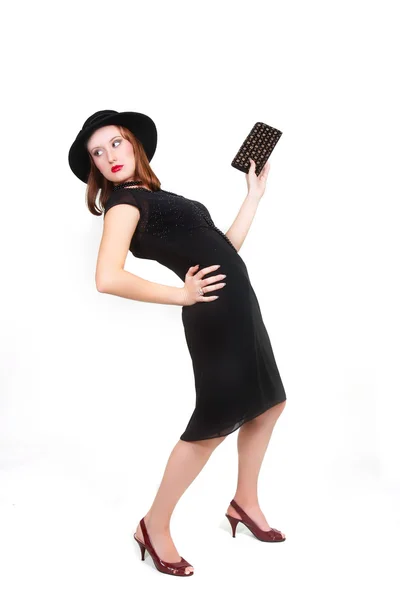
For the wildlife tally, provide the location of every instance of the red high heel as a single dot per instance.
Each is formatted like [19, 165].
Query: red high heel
[177, 568]
[273, 535]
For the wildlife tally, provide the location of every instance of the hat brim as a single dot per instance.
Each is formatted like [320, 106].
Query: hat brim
[141, 125]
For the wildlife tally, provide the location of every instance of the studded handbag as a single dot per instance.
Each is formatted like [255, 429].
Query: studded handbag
[258, 145]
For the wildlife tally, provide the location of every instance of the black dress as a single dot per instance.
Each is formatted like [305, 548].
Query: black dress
[235, 373]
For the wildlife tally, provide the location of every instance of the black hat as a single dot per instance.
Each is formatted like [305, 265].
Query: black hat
[139, 124]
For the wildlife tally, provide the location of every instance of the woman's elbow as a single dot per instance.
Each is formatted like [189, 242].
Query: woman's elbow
[102, 283]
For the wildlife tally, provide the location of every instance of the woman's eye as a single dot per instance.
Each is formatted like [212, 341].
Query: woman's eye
[95, 153]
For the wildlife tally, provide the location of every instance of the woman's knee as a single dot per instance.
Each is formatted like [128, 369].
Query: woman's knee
[279, 407]
[272, 413]
[209, 444]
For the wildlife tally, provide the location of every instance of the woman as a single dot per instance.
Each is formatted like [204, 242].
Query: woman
[236, 377]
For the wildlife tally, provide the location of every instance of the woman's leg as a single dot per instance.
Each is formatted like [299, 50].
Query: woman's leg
[252, 442]
[184, 464]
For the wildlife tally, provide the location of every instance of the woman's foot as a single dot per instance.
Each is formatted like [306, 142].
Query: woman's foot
[162, 543]
[255, 513]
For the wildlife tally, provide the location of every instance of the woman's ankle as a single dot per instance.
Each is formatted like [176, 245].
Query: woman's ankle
[157, 522]
[246, 501]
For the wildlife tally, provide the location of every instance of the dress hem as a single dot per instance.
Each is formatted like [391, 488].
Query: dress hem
[245, 420]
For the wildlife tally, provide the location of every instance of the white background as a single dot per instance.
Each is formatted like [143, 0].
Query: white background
[96, 389]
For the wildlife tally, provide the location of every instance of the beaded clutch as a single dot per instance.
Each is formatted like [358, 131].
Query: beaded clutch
[258, 145]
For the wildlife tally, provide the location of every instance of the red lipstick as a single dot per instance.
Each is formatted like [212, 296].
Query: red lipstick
[116, 168]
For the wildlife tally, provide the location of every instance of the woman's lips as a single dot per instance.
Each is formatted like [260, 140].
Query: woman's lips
[116, 168]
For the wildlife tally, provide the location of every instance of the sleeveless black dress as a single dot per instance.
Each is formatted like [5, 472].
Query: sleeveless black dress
[235, 373]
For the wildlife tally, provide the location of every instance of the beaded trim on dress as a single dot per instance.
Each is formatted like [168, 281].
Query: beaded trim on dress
[206, 217]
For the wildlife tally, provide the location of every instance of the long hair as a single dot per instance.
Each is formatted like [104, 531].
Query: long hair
[97, 181]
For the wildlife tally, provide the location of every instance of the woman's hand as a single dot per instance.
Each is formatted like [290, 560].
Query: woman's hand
[194, 283]
[256, 185]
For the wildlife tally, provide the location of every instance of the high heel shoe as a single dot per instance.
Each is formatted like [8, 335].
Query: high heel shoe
[273, 535]
[177, 568]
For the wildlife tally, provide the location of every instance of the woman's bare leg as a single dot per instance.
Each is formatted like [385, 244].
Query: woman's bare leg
[252, 442]
[184, 464]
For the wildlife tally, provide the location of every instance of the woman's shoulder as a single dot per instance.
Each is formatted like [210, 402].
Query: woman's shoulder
[160, 191]
[122, 196]
[130, 195]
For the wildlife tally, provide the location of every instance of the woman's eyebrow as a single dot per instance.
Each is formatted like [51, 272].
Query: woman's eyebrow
[113, 138]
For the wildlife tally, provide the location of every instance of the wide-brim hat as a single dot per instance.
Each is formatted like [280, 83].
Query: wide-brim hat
[142, 126]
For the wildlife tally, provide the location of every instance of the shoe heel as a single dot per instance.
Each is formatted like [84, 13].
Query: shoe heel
[233, 521]
[142, 547]
[269, 535]
[170, 568]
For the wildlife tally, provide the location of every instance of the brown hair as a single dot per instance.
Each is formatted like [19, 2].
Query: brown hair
[96, 180]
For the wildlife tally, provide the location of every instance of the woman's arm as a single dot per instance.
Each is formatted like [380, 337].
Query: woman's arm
[239, 229]
[120, 223]
[127, 285]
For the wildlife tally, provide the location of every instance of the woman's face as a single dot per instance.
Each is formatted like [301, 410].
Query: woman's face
[109, 149]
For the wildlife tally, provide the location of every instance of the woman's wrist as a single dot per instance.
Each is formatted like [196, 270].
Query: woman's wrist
[253, 197]
[131, 286]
